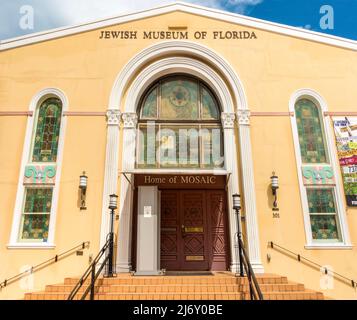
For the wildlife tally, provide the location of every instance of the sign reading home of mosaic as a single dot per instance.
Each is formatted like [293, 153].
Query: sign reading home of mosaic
[346, 141]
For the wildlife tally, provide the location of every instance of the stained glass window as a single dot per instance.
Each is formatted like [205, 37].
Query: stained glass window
[324, 227]
[188, 147]
[310, 130]
[147, 146]
[179, 100]
[36, 214]
[179, 126]
[149, 109]
[179, 147]
[212, 148]
[47, 131]
[209, 105]
[323, 218]
[168, 146]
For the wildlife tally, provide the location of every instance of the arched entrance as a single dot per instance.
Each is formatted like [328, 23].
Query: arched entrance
[179, 57]
[179, 127]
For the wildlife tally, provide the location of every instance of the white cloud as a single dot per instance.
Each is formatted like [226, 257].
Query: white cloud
[246, 2]
[56, 13]
[240, 6]
[84, 10]
[78, 10]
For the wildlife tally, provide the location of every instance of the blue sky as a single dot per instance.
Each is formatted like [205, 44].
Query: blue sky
[50, 14]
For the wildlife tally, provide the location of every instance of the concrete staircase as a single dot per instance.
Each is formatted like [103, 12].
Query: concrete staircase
[218, 286]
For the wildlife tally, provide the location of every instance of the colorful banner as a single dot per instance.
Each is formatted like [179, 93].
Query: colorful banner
[346, 140]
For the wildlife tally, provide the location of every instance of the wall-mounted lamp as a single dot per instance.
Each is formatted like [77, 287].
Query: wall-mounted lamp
[83, 181]
[274, 187]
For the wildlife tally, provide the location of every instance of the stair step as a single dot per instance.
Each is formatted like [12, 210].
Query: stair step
[163, 280]
[180, 287]
[300, 295]
[142, 296]
[176, 288]
[285, 287]
[293, 295]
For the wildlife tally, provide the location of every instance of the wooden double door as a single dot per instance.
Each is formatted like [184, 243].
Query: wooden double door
[194, 233]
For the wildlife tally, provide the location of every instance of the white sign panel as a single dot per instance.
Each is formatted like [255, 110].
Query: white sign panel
[147, 211]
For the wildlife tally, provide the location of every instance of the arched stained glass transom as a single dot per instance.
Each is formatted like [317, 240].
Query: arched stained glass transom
[179, 126]
[310, 130]
[47, 131]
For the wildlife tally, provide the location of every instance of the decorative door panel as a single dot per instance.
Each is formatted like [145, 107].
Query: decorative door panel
[194, 233]
[170, 255]
[194, 230]
[216, 203]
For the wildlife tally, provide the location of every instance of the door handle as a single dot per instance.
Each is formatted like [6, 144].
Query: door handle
[183, 230]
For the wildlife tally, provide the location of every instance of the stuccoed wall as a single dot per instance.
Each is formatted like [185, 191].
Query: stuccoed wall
[84, 67]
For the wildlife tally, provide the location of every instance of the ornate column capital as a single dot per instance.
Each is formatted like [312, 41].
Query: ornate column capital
[113, 117]
[130, 120]
[227, 120]
[243, 116]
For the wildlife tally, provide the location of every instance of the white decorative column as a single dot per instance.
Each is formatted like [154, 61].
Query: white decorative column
[111, 169]
[130, 120]
[249, 198]
[230, 151]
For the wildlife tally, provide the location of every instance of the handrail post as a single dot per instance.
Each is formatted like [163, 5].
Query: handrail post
[111, 253]
[113, 198]
[239, 240]
[250, 285]
[111, 245]
[92, 282]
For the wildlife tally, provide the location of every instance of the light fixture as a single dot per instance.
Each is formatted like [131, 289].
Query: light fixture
[83, 182]
[113, 204]
[236, 202]
[113, 200]
[274, 187]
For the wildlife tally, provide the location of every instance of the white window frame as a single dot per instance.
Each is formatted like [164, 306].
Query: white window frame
[333, 163]
[36, 101]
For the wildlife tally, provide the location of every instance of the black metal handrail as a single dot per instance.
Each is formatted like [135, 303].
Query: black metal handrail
[300, 258]
[254, 288]
[91, 271]
[44, 264]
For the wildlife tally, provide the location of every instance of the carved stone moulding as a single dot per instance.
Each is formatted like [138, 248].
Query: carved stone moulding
[40, 174]
[228, 120]
[318, 175]
[243, 117]
[113, 117]
[130, 119]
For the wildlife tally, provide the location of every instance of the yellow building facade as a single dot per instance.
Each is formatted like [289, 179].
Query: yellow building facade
[259, 98]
